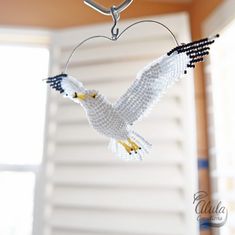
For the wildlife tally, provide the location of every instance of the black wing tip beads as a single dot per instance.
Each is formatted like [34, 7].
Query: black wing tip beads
[55, 82]
[115, 120]
[196, 50]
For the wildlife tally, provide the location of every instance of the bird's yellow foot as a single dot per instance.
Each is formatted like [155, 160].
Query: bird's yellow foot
[128, 148]
[133, 145]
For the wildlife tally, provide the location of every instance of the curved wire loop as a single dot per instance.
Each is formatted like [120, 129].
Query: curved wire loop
[116, 36]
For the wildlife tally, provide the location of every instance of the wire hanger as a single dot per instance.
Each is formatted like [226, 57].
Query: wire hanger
[106, 11]
[115, 33]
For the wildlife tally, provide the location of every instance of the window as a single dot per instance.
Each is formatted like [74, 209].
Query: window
[22, 102]
[221, 86]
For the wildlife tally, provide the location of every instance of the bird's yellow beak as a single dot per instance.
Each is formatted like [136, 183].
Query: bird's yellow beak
[80, 96]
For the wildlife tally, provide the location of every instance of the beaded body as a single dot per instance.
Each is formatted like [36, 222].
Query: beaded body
[104, 118]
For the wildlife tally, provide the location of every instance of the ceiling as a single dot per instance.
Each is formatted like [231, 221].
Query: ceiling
[172, 1]
[64, 13]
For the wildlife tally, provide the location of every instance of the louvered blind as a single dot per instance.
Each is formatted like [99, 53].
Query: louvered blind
[87, 189]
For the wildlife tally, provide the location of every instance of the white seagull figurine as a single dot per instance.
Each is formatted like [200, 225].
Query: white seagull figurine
[116, 120]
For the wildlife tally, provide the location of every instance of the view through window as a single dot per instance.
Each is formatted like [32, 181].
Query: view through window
[22, 102]
[222, 117]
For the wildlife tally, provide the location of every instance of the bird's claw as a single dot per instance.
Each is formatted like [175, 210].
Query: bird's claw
[130, 147]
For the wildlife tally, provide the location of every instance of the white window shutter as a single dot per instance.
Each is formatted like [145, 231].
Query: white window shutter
[87, 189]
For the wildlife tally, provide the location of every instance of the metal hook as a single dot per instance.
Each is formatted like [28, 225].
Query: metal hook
[113, 11]
[116, 17]
[106, 11]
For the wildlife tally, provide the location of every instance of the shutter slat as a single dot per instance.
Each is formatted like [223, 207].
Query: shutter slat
[111, 175]
[119, 50]
[64, 231]
[116, 71]
[161, 154]
[72, 133]
[145, 223]
[121, 199]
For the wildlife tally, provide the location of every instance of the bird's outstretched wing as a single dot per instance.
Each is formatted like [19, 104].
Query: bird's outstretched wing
[155, 78]
[65, 84]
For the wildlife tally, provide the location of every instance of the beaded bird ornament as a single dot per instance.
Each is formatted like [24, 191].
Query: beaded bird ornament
[116, 120]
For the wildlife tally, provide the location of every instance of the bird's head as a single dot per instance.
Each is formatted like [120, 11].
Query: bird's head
[88, 98]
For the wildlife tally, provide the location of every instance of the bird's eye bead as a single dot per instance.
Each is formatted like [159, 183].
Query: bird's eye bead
[93, 96]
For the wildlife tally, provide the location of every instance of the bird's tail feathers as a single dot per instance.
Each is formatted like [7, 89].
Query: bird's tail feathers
[138, 149]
